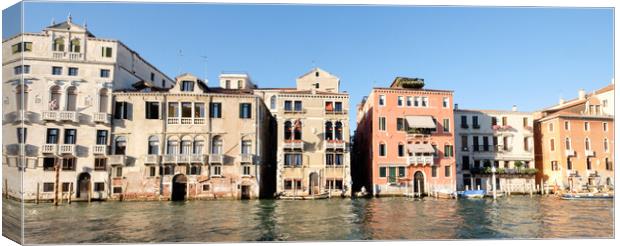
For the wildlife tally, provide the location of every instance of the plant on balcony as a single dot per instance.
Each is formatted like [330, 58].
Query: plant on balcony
[518, 165]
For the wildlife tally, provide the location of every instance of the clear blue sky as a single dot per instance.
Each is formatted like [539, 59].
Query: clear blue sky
[491, 57]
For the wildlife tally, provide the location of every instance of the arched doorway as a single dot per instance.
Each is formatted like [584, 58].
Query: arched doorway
[83, 185]
[418, 182]
[179, 187]
[314, 183]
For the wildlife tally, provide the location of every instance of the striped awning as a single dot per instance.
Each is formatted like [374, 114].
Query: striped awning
[420, 121]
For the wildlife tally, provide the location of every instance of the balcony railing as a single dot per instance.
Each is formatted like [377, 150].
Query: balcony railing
[198, 158]
[199, 121]
[420, 160]
[293, 111]
[247, 158]
[117, 160]
[295, 144]
[60, 116]
[101, 117]
[590, 153]
[99, 149]
[185, 121]
[66, 149]
[169, 158]
[342, 111]
[67, 55]
[335, 144]
[151, 159]
[570, 152]
[49, 148]
[216, 158]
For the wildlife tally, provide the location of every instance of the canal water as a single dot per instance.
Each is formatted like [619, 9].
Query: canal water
[515, 217]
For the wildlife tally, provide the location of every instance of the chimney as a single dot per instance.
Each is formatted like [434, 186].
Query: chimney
[561, 101]
[514, 108]
[456, 106]
[582, 94]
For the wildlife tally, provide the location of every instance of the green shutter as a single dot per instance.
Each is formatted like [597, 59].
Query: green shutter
[382, 172]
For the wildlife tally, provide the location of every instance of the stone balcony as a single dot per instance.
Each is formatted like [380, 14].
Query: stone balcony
[151, 159]
[101, 118]
[71, 116]
[246, 158]
[66, 149]
[99, 149]
[293, 144]
[185, 121]
[216, 158]
[182, 158]
[421, 160]
[335, 144]
[73, 56]
[117, 160]
[336, 112]
[49, 148]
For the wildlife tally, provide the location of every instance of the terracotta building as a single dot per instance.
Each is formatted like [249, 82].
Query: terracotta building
[574, 142]
[404, 140]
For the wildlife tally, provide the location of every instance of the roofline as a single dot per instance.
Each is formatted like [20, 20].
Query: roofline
[406, 89]
[493, 111]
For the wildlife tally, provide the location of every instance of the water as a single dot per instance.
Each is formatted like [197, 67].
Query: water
[337, 219]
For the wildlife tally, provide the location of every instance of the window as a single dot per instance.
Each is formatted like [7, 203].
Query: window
[73, 71]
[446, 125]
[120, 145]
[493, 121]
[400, 124]
[99, 187]
[217, 170]
[152, 76]
[425, 102]
[465, 162]
[382, 150]
[246, 147]
[446, 102]
[476, 143]
[163, 83]
[474, 120]
[246, 170]
[567, 142]
[205, 187]
[464, 122]
[186, 109]
[605, 126]
[526, 144]
[586, 126]
[68, 164]
[298, 106]
[381, 100]
[52, 136]
[100, 164]
[194, 170]
[273, 102]
[152, 110]
[566, 125]
[217, 145]
[448, 171]
[199, 110]
[335, 184]
[401, 150]
[56, 70]
[606, 145]
[21, 135]
[58, 45]
[49, 163]
[104, 73]
[187, 85]
[118, 172]
[434, 171]
[215, 110]
[448, 151]
[554, 166]
[607, 164]
[65, 186]
[173, 109]
[48, 187]
[23, 69]
[382, 124]
[106, 51]
[121, 110]
[401, 172]
[117, 190]
[102, 137]
[239, 84]
[504, 121]
[167, 170]
[464, 140]
[551, 144]
[288, 106]
[70, 136]
[245, 110]
[74, 45]
[485, 143]
[103, 100]
[21, 47]
[382, 172]
[416, 101]
[409, 101]
[400, 101]
[588, 163]
[227, 86]
[569, 164]
[153, 148]
[292, 159]
[550, 127]
[587, 144]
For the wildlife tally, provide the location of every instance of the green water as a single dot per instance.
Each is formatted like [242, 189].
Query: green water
[336, 219]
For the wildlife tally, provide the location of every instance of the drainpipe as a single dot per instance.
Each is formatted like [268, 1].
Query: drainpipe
[258, 134]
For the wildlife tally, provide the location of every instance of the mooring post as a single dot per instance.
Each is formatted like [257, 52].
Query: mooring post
[6, 189]
[57, 168]
[70, 192]
[36, 201]
[89, 194]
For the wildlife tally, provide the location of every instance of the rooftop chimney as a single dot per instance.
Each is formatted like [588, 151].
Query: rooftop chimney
[456, 106]
[582, 94]
[514, 108]
[561, 101]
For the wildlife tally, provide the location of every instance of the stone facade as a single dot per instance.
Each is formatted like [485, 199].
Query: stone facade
[63, 79]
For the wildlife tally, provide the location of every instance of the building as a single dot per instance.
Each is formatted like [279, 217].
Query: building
[495, 138]
[57, 96]
[574, 142]
[190, 141]
[312, 136]
[404, 140]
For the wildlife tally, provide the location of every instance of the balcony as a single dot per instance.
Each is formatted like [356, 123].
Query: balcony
[186, 121]
[66, 149]
[101, 118]
[67, 55]
[216, 158]
[294, 111]
[590, 153]
[49, 148]
[293, 144]
[117, 160]
[247, 158]
[336, 112]
[199, 121]
[198, 158]
[464, 126]
[60, 116]
[169, 158]
[173, 121]
[151, 159]
[570, 152]
[420, 160]
[335, 144]
[99, 149]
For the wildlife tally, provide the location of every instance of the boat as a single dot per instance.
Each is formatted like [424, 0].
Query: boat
[472, 193]
[585, 196]
[310, 197]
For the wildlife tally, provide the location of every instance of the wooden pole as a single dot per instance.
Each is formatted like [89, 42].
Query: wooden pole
[37, 198]
[419, 189]
[6, 189]
[70, 191]
[57, 169]
[88, 192]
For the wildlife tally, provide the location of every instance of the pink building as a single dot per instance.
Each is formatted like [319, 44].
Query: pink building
[404, 140]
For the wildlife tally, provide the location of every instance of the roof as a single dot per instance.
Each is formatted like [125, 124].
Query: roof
[491, 111]
[316, 69]
[310, 92]
[69, 25]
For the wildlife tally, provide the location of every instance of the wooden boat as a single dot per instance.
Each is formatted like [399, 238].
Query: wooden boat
[472, 193]
[585, 196]
[310, 197]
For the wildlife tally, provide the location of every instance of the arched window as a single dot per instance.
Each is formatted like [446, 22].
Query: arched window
[273, 102]
[401, 150]
[288, 130]
[119, 145]
[21, 96]
[186, 145]
[59, 44]
[72, 98]
[567, 143]
[338, 130]
[103, 100]
[246, 146]
[587, 144]
[297, 130]
[329, 131]
[75, 45]
[153, 145]
[609, 183]
[172, 146]
[216, 145]
[55, 94]
[199, 144]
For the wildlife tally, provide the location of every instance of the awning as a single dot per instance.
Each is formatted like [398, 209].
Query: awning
[421, 121]
[421, 148]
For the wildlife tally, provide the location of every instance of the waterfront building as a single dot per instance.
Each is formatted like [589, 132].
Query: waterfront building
[57, 95]
[191, 141]
[574, 142]
[404, 140]
[312, 136]
[495, 138]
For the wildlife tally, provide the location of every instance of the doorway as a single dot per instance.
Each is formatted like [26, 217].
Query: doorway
[418, 182]
[245, 192]
[314, 183]
[179, 187]
[83, 185]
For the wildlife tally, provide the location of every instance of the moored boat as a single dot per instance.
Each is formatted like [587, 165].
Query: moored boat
[472, 193]
[584, 196]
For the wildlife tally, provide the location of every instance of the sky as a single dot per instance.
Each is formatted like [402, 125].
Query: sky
[492, 58]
